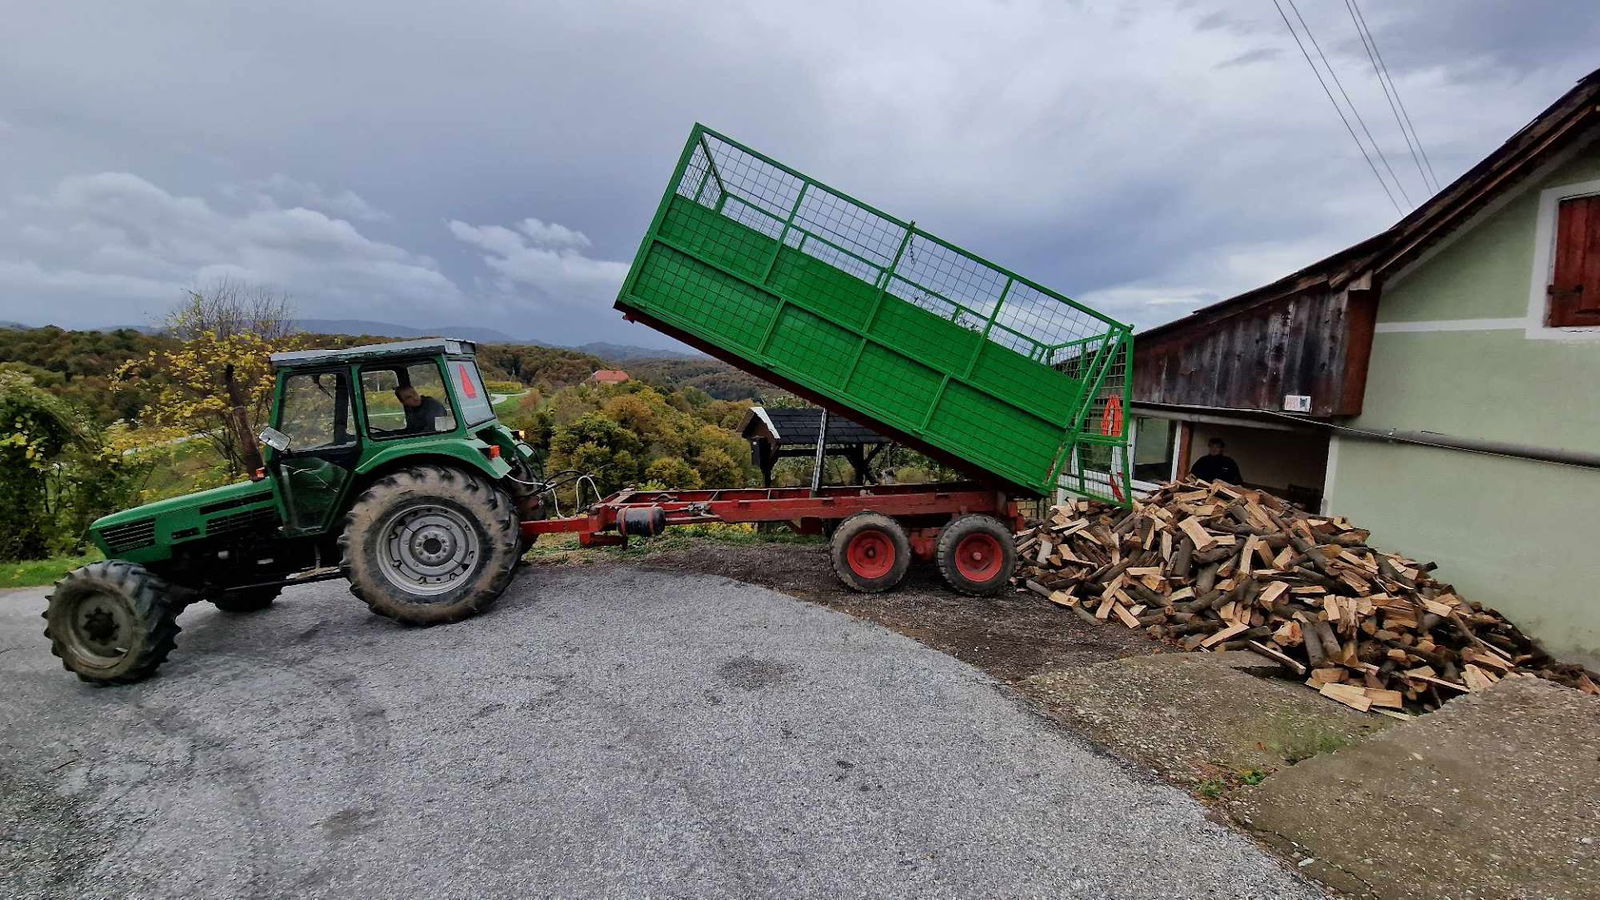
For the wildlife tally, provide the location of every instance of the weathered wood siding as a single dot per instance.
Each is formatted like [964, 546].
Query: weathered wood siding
[1314, 342]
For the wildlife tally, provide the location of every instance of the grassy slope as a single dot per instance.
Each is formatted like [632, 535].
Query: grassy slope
[36, 572]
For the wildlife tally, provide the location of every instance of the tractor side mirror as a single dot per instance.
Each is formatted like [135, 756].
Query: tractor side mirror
[275, 439]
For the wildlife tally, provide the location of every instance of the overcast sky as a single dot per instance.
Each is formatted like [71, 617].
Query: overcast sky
[495, 163]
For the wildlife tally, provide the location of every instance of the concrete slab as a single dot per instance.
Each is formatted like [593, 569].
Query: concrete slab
[1200, 716]
[1495, 795]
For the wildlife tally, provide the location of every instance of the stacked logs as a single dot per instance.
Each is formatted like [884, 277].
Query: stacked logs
[1210, 567]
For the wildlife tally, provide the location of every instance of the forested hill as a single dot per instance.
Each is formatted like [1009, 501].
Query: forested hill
[79, 366]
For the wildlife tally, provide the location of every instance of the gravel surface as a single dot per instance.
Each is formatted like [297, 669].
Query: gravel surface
[617, 733]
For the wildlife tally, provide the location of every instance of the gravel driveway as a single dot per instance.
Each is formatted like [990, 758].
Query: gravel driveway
[599, 734]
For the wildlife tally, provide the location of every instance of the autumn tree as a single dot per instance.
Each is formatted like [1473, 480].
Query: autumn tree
[672, 474]
[58, 473]
[217, 381]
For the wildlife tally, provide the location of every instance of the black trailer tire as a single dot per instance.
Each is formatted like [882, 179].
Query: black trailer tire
[427, 544]
[112, 622]
[246, 600]
[870, 552]
[977, 555]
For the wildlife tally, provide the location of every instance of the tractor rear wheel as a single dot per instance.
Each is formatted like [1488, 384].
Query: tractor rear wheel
[112, 622]
[428, 544]
[246, 600]
[870, 552]
[977, 555]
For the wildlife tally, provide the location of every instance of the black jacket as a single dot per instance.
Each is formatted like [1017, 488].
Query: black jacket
[1217, 468]
[420, 418]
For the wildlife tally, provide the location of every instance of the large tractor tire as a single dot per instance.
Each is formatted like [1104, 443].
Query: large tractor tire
[977, 555]
[246, 600]
[429, 544]
[870, 552]
[112, 622]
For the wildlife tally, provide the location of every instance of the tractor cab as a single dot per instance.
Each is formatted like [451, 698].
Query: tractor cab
[338, 413]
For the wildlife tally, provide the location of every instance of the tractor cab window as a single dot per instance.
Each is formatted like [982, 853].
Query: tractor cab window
[316, 413]
[475, 403]
[406, 400]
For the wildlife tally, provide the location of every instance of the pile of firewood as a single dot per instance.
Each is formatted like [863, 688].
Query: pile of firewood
[1213, 567]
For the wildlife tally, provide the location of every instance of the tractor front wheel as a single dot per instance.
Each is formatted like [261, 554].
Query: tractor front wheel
[112, 622]
[977, 555]
[429, 544]
[870, 552]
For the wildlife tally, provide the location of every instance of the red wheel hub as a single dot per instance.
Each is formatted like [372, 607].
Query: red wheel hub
[870, 554]
[979, 557]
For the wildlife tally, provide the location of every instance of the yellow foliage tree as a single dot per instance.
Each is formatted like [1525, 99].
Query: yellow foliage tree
[218, 381]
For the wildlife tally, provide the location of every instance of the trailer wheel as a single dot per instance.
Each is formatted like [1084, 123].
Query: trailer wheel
[977, 555]
[112, 622]
[246, 600]
[430, 544]
[870, 552]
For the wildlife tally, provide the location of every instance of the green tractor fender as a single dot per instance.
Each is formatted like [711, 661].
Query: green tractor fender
[470, 454]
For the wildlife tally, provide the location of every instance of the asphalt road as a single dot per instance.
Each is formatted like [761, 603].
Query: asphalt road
[599, 734]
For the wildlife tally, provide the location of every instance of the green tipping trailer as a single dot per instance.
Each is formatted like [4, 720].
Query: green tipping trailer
[798, 283]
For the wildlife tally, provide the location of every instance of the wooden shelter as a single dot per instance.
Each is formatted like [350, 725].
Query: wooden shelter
[776, 433]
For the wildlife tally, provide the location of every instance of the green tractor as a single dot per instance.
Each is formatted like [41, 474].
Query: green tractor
[385, 465]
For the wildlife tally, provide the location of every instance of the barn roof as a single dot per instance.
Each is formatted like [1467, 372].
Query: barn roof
[798, 426]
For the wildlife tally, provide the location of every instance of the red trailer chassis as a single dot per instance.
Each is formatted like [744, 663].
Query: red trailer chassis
[921, 513]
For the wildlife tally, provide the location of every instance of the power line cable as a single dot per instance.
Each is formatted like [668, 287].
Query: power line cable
[1388, 95]
[1338, 109]
[1362, 34]
[1384, 68]
[1354, 111]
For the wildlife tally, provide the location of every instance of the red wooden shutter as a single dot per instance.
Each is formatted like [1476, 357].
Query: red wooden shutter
[1575, 289]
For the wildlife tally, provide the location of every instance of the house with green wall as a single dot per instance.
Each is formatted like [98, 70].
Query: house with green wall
[1438, 383]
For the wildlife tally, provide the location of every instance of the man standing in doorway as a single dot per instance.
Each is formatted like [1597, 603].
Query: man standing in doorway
[1216, 465]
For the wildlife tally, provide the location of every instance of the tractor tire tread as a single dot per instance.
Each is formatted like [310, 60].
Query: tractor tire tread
[155, 600]
[490, 507]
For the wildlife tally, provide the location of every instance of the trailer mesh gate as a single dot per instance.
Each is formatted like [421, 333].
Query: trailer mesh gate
[886, 320]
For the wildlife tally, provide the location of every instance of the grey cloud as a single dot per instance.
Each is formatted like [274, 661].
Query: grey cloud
[282, 189]
[1099, 148]
[116, 247]
[544, 258]
[1259, 54]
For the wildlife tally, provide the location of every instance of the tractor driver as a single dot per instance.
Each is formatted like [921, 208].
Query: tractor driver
[422, 411]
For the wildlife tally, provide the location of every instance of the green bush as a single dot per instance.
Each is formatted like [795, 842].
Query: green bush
[672, 474]
[58, 473]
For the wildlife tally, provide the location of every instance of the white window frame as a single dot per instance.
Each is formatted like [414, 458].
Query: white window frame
[1544, 263]
[1145, 487]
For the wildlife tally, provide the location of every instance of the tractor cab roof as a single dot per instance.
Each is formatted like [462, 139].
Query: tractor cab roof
[304, 359]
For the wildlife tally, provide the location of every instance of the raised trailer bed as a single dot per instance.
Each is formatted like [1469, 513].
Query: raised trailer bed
[966, 529]
[871, 317]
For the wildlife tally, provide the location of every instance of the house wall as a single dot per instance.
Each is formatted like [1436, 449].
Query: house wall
[1455, 351]
[1299, 344]
[1512, 534]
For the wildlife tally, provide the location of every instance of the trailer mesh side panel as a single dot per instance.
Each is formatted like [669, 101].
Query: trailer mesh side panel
[888, 321]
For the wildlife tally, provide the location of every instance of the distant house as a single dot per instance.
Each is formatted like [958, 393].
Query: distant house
[609, 376]
[1438, 383]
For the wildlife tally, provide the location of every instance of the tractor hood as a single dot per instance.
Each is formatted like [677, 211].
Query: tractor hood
[147, 533]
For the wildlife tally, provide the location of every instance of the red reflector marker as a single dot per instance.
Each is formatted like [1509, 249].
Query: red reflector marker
[494, 451]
